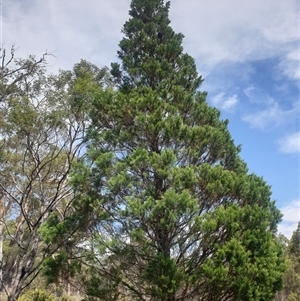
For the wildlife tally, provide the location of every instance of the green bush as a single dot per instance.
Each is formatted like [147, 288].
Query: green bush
[37, 295]
[67, 298]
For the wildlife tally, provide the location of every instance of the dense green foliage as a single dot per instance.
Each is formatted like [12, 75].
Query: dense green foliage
[291, 287]
[183, 218]
[36, 295]
[294, 245]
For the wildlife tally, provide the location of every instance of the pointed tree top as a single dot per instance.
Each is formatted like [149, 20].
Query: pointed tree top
[151, 52]
[146, 10]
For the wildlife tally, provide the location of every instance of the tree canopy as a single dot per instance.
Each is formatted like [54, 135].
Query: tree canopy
[42, 130]
[180, 218]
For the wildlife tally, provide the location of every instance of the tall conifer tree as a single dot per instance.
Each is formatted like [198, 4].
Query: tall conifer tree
[183, 218]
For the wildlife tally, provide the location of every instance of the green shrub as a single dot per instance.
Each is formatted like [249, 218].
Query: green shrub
[37, 295]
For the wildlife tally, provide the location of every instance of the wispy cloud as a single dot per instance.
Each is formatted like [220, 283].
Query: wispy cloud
[291, 217]
[290, 143]
[271, 116]
[289, 65]
[224, 102]
[256, 95]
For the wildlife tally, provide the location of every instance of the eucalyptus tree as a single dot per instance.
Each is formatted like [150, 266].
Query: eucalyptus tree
[43, 125]
[14, 72]
[291, 284]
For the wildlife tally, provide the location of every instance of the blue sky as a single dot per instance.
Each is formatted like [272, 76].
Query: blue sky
[247, 52]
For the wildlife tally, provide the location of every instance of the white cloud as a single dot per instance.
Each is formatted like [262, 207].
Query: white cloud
[290, 143]
[272, 116]
[71, 29]
[237, 30]
[291, 217]
[256, 95]
[249, 91]
[289, 65]
[224, 102]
